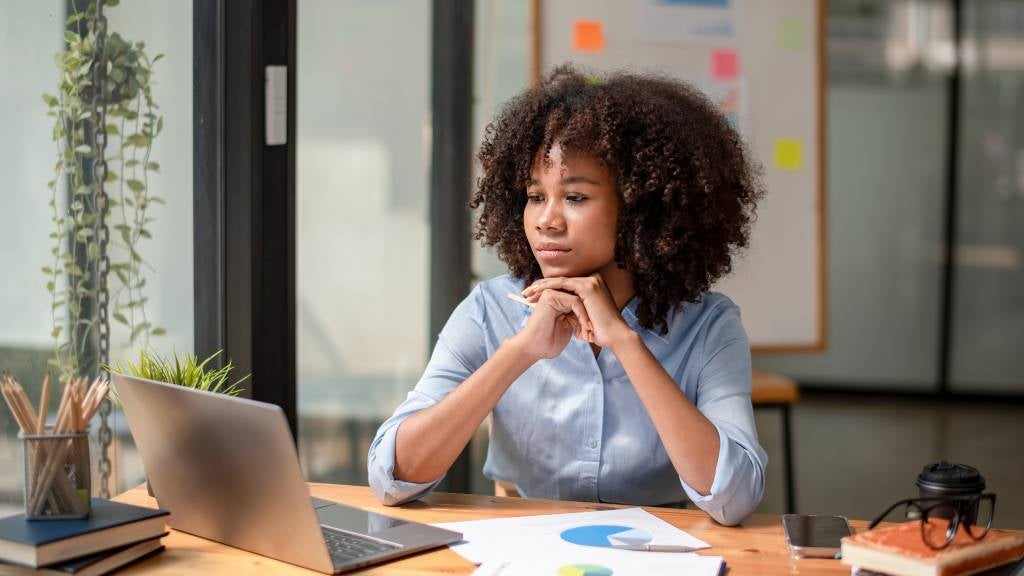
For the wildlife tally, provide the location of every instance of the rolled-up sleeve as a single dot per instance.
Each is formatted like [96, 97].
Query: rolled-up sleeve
[723, 396]
[460, 350]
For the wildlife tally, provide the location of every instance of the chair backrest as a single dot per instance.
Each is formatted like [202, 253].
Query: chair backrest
[773, 389]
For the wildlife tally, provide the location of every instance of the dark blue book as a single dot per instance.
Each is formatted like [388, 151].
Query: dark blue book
[111, 524]
[93, 564]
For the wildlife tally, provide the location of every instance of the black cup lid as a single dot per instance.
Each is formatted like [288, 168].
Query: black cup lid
[945, 476]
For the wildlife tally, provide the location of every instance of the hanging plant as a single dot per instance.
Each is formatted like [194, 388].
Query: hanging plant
[78, 274]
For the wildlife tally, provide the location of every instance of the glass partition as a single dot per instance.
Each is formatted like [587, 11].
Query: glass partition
[988, 311]
[362, 185]
[27, 155]
[34, 34]
[887, 117]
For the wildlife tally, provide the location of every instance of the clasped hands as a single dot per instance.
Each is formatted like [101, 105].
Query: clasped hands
[563, 307]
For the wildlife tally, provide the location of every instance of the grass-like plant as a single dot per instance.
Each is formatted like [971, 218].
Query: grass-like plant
[185, 370]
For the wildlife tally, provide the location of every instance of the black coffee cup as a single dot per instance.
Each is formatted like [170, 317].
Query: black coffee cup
[944, 479]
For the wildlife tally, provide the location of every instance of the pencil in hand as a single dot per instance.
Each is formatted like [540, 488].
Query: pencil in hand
[520, 299]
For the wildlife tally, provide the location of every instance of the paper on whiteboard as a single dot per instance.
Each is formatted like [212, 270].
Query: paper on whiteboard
[687, 22]
[733, 101]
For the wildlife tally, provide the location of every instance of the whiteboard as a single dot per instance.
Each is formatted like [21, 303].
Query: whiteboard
[762, 62]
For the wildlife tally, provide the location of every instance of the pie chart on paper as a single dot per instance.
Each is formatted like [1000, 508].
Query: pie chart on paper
[584, 570]
[603, 536]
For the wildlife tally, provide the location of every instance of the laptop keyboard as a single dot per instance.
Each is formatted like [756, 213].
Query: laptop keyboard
[345, 547]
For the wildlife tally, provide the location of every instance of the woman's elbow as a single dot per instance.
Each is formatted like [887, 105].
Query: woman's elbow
[733, 515]
[742, 502]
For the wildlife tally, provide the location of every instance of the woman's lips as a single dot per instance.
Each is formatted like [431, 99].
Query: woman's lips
[551, 252]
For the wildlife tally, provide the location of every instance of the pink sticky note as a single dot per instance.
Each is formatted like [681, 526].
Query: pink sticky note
[725, 65]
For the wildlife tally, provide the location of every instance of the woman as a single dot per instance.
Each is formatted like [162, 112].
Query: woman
[616, 203]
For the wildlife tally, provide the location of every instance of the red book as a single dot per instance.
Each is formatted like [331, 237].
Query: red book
[900, 551]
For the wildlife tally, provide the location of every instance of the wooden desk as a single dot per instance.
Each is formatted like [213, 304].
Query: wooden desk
[758, 547]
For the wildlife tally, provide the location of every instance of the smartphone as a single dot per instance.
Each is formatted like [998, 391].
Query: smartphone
[811, 536]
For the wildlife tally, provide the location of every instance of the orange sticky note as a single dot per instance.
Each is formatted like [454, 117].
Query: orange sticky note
[588, 36]
[725, 64]
[788, 154]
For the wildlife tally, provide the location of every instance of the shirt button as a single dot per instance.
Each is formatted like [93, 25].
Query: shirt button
[592, 443]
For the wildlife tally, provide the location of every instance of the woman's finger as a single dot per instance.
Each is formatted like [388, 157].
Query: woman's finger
[577, 328]
[566, 284]
[570, 303]
[581, 312]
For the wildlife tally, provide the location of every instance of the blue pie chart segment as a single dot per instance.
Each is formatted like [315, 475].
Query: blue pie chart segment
[598, 535]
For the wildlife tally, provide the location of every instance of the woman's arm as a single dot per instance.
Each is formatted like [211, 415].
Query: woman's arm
[713, 447]
[690, 439]
[428, 441]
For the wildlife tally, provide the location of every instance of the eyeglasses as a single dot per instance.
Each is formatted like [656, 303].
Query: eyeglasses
[974, 512]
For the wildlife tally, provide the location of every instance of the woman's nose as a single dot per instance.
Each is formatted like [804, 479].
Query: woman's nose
[551, 218]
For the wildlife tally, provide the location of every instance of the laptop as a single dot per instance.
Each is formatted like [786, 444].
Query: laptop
[227, 470]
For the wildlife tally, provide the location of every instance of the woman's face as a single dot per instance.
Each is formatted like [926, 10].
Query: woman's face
[571, 212]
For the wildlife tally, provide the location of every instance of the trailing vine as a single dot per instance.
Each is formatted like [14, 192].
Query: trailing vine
[132, 124]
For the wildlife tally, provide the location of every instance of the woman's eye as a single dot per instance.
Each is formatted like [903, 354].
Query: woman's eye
[534, 198]
[574, 198]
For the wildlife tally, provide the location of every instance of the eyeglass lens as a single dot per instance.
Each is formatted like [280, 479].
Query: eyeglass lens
[978, 518]
[938, 532]
[939, 522]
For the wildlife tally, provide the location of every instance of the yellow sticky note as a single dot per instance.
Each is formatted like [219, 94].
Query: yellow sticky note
[588, 36]
[791, 34]
[789, 154]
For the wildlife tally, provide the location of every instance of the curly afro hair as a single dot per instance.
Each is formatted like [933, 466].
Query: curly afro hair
[687, 187]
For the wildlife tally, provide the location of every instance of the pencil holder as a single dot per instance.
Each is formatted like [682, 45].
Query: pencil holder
[57, 475]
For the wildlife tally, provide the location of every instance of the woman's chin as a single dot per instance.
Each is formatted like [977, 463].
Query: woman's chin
[562, 272]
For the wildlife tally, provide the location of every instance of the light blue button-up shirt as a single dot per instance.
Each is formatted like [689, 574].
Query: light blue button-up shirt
[573, 427]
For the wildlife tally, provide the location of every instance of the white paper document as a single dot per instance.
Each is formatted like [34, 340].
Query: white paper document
[639, 564]
[566, 544]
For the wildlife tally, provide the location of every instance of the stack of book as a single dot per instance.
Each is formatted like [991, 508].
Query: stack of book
[900, 551]
[113, 535]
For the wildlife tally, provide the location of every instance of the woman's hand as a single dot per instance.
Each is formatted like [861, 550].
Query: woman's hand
[555, 318]
[607, 328]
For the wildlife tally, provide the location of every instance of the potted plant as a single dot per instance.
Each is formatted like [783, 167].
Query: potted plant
[185, 370]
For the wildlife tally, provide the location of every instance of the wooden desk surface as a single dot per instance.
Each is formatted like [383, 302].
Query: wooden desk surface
[758, 547]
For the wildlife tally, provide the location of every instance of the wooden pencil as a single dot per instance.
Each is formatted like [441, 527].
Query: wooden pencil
[26, 406]
[520, 299]
[43, 399]
[24, 420]
[54, 464]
